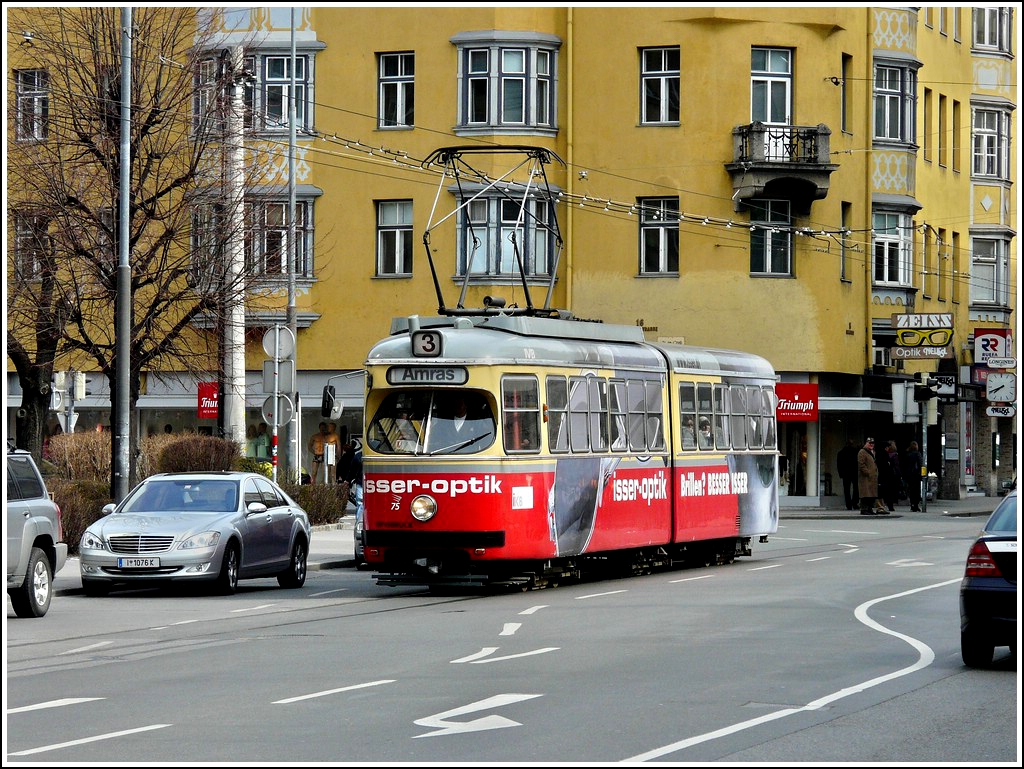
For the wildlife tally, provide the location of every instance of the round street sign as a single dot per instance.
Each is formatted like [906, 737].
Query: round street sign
[278, 342]
[278, 416]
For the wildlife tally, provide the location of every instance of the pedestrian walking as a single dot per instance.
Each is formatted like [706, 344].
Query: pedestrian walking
[911, 469]
[890, 477]
[867, 479]
[846, 463]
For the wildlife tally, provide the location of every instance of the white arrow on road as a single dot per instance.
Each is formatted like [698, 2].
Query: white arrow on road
[480, 724]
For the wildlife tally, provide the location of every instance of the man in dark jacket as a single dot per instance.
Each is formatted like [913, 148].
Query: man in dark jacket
[846, 463]
[867, 477]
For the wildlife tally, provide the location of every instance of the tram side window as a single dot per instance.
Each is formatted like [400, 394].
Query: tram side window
[655, 433]
[721, 422]
[579, 414]
[598, 414]
[687, 416]
[755, 422]
[520, 411]
[738, 415]
[705, 414]
[636, 402]
[618, 413]
[768, 414]
[558, 414]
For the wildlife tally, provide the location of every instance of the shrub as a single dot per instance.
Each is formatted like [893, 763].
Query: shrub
[80, 503]
[80, 456]
[323, 504]
[194, 453]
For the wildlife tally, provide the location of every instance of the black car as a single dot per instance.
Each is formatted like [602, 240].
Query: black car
[988, 592]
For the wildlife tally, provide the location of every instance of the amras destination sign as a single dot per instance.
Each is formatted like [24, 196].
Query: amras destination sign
[427, 375]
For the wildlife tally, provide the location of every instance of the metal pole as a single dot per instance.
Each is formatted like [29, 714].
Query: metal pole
[277, 400]
[924, 456]
[293, 251]
[121, 424]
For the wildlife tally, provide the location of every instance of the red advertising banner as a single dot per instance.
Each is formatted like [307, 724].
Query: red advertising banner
[209, 397]
[797, 402]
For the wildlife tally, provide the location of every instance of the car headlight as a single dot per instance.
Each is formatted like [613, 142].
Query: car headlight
[206, 539]
[423, 507]
[90, 542]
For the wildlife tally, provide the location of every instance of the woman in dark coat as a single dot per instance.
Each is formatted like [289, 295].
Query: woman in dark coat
[890, 477]
[911, 467]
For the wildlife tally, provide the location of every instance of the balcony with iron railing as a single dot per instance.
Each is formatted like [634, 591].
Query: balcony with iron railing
[781, 161]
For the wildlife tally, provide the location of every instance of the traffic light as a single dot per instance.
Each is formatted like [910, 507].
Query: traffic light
[926, 387]
[327, 404]
[80, 383]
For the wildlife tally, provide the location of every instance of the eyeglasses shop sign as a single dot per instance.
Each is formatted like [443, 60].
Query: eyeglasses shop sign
[797, 402]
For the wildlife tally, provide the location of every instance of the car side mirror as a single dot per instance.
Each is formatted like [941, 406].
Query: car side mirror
[255, 508]
[108, 508]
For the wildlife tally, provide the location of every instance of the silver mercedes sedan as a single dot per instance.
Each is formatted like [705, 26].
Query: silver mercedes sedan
[210, 527]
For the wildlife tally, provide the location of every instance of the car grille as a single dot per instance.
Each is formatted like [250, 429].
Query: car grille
[134, 544]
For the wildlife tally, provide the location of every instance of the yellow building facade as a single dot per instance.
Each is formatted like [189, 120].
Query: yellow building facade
[781, 181]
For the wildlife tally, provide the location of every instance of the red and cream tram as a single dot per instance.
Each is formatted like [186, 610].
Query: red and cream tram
[526, 450]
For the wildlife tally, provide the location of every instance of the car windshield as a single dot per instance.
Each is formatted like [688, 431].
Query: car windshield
[1004, 519]
[432, 422]
[183, 496]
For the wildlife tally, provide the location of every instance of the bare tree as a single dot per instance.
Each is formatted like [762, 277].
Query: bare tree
[64, 167]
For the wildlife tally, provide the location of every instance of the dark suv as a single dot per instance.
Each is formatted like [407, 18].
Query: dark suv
[35, 547]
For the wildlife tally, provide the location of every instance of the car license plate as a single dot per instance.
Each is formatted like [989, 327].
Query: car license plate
[138, 563]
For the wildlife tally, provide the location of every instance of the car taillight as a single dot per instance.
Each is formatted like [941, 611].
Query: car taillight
[980, 562]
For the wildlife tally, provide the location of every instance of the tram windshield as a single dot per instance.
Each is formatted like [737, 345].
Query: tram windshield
[432, 422]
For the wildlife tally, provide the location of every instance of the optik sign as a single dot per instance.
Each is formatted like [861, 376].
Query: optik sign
[797, 402]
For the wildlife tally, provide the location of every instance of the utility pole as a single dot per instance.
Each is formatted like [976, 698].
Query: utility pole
[121, 424]
[233, 294]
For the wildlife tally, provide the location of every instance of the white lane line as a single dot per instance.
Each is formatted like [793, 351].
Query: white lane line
[925, 657]
[814, 560]
[290, 700]
[762, 568]
[598, 595]
[86, 648]
[482, 653]
[545, 650]
[691, 579]
[253, 608]
[83, 741]
[534, 609]
[510, 628]
[328, 592]
[53, 704]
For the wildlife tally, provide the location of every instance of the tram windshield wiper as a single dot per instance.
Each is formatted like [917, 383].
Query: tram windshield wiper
[461, 445]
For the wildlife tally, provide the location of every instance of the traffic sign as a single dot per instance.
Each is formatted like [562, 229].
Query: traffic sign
[281, 415]
[279, 342]
[1010, 363]
[946, 383]
[1001, 411]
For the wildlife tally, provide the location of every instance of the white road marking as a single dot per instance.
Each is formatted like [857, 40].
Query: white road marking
[53, 704]
[314, 695]
[762, 568]
[444, 726]
[83, 741]
[86, 648]
[533, 609]
[598, 595]
[691, 579]
[253, 608]
[510, 628]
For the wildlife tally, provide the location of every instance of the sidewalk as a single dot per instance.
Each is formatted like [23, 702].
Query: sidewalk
[332, 545]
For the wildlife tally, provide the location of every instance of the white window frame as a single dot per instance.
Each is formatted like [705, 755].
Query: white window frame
[660, 85]
[267, 93]
[895, 102]
[396, 90]
[266, 230]
[486, 246]
[992, 27]
[990, 271]
[990, 142]
[394, 238]
[31, 241]
[659, 235]
[32, 88]
[507, 81]
[891, 248]
[771, 238]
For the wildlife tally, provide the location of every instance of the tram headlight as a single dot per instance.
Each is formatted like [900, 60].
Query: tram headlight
[423, 507]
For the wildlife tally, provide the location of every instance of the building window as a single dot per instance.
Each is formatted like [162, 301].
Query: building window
[32, 87]
[990, 271]
[991, 140]
[659, 85]
[496, 230]
[397, 90]
[892, 246]
[267, 93]
[992, 29]
[507, 81]
[771, 238]
[847, 93]
[844, 241]
[394, 237]
[31, 245]
[659, 236]
[266, 238]
[895, 102]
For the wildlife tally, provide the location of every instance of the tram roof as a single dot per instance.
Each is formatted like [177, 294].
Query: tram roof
[560, 341]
